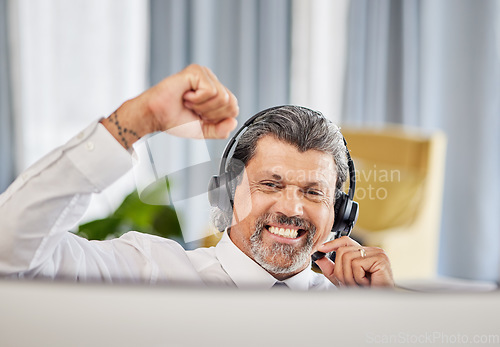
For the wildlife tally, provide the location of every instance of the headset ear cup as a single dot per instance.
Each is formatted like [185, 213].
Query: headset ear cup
[353, 216]
[213, 191]
[221, 188]
[217, 193]
[339, 210]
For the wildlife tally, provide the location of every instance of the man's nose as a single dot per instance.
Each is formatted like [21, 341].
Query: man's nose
[290, 202]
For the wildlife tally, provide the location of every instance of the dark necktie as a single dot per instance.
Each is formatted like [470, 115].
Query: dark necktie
[280, 285]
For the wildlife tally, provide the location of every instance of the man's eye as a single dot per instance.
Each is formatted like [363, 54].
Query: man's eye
[271, 184]
[314, 193]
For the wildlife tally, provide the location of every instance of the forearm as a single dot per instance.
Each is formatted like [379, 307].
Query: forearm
[50, 197]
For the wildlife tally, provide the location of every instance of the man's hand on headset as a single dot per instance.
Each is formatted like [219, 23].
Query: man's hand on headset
[192, 103]
[355, 265]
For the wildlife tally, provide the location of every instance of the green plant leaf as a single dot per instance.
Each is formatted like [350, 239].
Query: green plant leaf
[133, 214]
[99, 229]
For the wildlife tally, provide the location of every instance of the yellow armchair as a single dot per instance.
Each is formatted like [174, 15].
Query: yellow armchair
[399, 188]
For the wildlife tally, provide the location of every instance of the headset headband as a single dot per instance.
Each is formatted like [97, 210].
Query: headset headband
[251, 120]
[229, 146]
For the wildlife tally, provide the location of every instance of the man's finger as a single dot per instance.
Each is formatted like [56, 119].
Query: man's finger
[215, 108]
[204, 87]
[346, 259]
[222, 106]
[333, 245]
[343, 263]
[219, 130]
[359, 272]
[338, 245]
[327, 268]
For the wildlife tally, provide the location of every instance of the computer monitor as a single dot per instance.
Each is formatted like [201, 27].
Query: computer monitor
[65, 314]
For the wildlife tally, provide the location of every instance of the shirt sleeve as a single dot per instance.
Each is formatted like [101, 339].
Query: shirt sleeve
[49, 198]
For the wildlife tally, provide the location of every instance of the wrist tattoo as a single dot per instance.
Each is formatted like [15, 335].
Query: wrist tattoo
[122, 131]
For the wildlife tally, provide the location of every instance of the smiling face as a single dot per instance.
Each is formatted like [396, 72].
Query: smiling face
[288, 197]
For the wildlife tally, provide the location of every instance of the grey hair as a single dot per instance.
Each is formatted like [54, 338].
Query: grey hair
[299, 126]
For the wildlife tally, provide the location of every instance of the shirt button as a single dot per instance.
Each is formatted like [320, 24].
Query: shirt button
[90, 146]
[80, 136]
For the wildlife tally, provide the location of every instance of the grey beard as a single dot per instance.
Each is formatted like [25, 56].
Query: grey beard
[268, 257]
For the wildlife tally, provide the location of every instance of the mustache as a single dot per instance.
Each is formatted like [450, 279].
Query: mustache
[278, 218]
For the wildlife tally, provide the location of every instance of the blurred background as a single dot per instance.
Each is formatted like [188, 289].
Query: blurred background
[424, 69]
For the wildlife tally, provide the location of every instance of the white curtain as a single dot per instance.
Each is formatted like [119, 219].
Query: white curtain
[436, 64]
[319, 33]
[7, 157]
[73, 62]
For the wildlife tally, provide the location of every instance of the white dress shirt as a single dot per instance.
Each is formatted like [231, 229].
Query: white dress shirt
[50, 197]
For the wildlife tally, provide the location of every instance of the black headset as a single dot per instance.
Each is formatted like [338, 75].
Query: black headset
[221, 188]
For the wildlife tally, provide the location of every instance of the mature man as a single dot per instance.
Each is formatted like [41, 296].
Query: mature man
[283, 203]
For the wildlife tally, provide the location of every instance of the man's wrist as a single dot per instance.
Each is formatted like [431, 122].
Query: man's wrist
[131, 121]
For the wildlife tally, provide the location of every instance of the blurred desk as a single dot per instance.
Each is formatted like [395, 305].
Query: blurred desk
[63, 314]
[447, 284]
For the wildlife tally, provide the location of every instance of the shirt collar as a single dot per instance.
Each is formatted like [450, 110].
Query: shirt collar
[247, 274]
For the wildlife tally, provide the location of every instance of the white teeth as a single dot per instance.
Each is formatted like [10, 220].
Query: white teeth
[288, 233]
